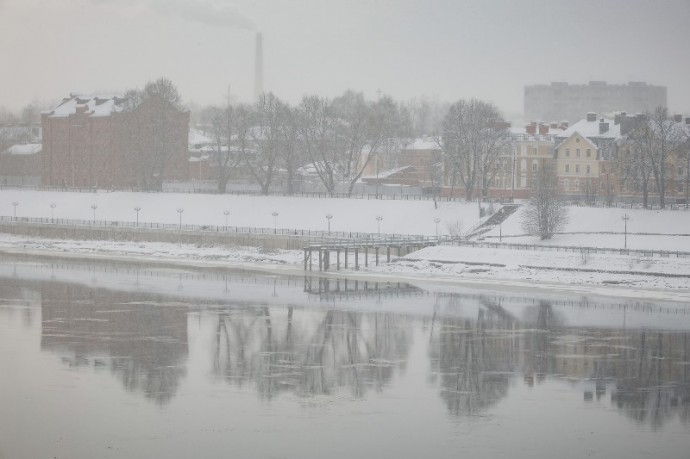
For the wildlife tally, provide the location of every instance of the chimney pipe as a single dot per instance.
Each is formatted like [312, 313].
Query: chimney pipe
[259, 68]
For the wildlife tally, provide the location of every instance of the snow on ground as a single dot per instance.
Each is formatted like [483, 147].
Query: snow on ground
[547, 266]
[398, 217]
[670, 228]
[620, 274]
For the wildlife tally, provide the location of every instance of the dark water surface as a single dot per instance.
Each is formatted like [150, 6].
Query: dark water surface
[118, 361]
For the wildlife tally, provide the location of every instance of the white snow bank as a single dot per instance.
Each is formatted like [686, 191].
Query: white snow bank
[398, 217]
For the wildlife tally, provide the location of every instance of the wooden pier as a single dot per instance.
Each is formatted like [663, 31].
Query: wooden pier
[352, 253]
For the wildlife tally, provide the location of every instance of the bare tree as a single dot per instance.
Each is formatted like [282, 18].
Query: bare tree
[667, 138]
[341, 137]
[474, 136]
[155, 128]
[264, 136]
[636, 159]
[545, 213]
[648, 152]
[289, 145]
[223, 127]
[369, 128]
[320, 134]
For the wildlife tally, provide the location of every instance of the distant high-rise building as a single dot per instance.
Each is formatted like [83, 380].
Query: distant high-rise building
[560, 101]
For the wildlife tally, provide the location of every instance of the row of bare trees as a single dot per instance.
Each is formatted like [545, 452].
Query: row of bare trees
[656, 142]
[336, 139]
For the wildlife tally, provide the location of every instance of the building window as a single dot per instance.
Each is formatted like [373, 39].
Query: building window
[567, 168]
[588, 169]
[589, 153]
[565, 184]
[603, 168]
[577, 152]
[577, 168]
[577, 185]
[567, 152]
[534, 150]
[680, 171]
[534, 167]
[601, 186]
[577, 139]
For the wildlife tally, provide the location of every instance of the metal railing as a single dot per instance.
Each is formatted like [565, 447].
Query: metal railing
[574, 249]
[340, 238]
[332, 237]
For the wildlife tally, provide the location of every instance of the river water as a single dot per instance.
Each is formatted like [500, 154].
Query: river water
[125, 361]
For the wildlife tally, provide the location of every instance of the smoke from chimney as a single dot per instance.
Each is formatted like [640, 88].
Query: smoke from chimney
[259, 68]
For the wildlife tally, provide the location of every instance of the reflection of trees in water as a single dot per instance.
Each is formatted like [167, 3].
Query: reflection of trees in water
[543, 325]
[309, 353]
[474, 359]
[144, 345]
[653, 377]
[19, 300]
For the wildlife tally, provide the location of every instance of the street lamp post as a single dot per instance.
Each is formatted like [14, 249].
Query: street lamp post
[137, 209]
[328, 217]
[179, 211]
[226, 213]
[94, 207]
[15, 204]
[625, 219]
[437, 220]
[378, 220]
[275, 222]
[52, 211]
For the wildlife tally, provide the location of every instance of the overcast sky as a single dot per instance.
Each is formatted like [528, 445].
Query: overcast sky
[448, 49]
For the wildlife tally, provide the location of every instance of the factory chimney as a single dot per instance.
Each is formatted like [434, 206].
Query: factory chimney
[259, 68]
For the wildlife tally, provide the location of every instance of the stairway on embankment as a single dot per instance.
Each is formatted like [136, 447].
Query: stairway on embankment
[496, 219]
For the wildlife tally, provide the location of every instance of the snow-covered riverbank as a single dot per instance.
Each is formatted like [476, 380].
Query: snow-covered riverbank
[499, 269]
[609, 274]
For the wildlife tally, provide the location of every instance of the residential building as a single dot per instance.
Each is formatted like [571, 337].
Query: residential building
[531, 149]
[92, 141]
[562, 101]
[585, 156]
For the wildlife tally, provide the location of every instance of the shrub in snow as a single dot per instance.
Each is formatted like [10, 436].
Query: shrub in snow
[545, 213]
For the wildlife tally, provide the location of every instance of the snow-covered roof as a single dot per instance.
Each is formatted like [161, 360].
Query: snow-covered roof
[520, 133]
[24, 149]
[197, 137]
[390, 173]
[93, 106]
[591, 129]
[422, 143]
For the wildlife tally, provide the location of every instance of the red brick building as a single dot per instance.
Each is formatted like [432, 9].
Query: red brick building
[98, 142]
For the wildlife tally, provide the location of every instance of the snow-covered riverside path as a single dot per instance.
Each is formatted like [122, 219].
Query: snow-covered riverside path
[610, 274]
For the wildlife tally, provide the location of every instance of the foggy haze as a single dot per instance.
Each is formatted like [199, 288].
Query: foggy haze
[443, 49]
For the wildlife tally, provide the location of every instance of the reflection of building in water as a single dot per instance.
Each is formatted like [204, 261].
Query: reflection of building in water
[143, 343]
[309, 353]
[647, 374]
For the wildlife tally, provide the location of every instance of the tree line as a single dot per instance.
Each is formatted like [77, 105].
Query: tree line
[337, 139]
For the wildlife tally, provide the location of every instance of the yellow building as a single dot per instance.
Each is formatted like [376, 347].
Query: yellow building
[584, 157]
[531, 149]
